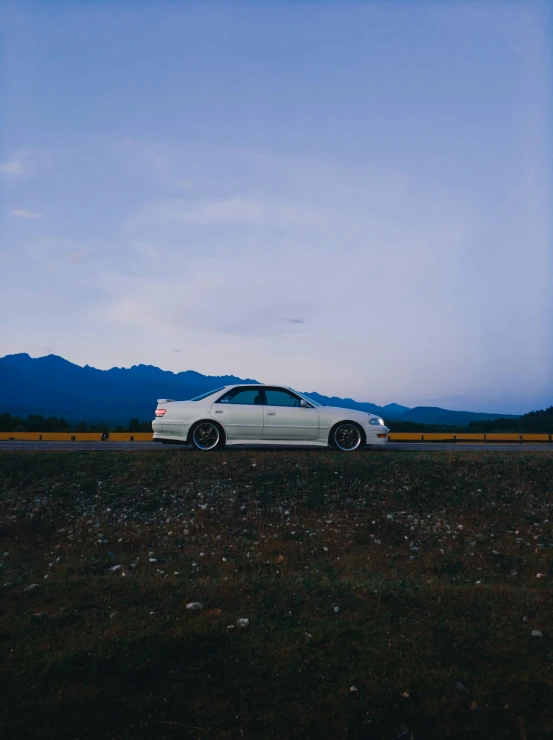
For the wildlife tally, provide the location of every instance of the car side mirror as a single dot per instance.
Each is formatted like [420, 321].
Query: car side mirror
[304, 404]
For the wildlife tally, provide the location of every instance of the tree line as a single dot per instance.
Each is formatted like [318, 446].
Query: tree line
[38, 423]
[535, 422]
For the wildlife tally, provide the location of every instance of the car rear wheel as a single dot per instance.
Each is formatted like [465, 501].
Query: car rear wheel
[207, 436]
[346, 436]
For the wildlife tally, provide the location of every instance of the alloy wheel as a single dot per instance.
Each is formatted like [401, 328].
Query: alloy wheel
[206, 436]
[347, 437]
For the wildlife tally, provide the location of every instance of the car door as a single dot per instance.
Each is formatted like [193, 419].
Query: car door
[284, 418]
[240, 411]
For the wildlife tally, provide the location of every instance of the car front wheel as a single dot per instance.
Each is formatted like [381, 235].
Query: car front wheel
[207, 436]
[346, 436]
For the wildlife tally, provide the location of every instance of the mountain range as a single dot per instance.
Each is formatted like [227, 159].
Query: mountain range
[53, 386]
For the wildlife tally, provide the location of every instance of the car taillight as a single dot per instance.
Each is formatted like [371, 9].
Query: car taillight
[160, 412]
[381, 436]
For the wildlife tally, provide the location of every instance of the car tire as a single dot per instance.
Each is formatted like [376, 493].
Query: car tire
[207, 436]
[346, 436]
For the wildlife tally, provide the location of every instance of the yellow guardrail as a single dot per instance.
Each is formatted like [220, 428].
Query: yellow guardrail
[393, 437]
[75, 436]
[465, 437]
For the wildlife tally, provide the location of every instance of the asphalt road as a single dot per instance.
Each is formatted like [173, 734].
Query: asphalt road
[514, 447]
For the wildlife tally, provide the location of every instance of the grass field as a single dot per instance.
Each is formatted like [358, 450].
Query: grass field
[388, 595]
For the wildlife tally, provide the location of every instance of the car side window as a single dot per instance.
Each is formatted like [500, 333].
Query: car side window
[280, 397]
[243, 396]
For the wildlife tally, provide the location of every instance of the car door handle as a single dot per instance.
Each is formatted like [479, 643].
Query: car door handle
[271, 413]
[218, 412]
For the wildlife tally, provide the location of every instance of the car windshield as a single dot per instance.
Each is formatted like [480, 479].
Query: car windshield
[307, 398]
[205, 395]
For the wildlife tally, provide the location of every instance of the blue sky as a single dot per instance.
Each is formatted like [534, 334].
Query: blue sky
[353, 198]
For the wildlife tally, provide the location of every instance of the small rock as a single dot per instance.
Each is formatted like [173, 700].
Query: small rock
[460, 688]
[230, 626]
[242, 622]
[31, 587]
[194, 606]
[5, 554]
[336, 609]
[537, 633]
[115, 567]
[539, 575]
[524, 619]
[152, 560]
[353, 688]
[405, 694]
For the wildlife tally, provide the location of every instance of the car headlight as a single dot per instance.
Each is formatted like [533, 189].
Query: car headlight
[374, 422]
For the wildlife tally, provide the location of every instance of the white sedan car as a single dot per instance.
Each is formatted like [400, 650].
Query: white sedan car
[263, 414]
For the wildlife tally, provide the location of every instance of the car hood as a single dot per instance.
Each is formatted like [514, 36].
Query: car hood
[353, 414]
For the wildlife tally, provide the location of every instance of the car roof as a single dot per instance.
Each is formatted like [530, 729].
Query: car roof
[259, 385]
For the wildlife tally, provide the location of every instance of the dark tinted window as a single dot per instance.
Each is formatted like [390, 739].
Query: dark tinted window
[280, 397]
[244, 396]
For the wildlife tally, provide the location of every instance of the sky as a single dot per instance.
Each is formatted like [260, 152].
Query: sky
[352, 198]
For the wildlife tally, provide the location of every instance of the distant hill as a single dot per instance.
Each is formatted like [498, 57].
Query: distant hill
[394, 409]
[53, 386]
[435, 415]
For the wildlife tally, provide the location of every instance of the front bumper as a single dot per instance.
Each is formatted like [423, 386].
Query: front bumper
[376, 435]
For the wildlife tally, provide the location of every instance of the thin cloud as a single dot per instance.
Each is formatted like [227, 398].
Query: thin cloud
[176, 350]
[295, 321]
[76, 258]
[232, 210]
[23, 213]
[12, 168]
